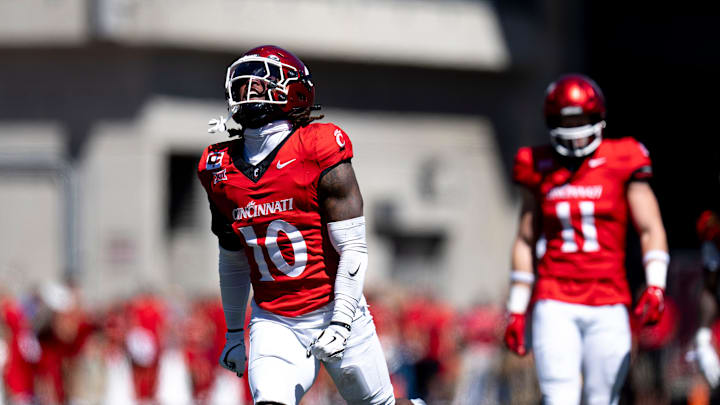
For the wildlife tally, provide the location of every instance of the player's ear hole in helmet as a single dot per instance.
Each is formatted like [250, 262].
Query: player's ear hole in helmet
[575, 115]
[269, 83]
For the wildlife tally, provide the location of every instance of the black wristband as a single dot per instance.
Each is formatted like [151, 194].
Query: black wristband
[235, 330]
[343, 324]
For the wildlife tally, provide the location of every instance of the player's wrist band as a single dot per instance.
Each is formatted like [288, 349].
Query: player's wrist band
[658, 255]
[343, 324]
[235, 330]
[519, 298]
[656, 265]
[522, 276]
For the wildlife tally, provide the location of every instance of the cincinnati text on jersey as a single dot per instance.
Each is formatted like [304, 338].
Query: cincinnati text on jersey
[569, 191]
[253, 210]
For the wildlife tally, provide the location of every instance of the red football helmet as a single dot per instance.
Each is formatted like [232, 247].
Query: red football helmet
[575, 115]
[267, 83]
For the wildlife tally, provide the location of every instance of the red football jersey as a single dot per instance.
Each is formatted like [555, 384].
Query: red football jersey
[274, 207]
[581, 251]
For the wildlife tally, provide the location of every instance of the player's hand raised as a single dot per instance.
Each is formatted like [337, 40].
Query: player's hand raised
[651, 305]
[330, 344]
[233, 355]
[515, 334]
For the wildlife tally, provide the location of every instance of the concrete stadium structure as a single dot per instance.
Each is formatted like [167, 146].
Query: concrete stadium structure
[103, 112]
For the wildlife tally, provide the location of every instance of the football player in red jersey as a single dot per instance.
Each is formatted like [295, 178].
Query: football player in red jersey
[706, 356]
[287, 211]
[579, 191]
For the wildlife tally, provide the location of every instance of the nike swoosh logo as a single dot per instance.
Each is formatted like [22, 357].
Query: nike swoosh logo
[356, 271]
[281, 165]
[596, 162]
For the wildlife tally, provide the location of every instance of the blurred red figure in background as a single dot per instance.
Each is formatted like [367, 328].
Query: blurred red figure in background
[204, 339]
[23, 352]
[706, 337]
[428, 328]
[43, 346]
[62, 337]
[144, 340]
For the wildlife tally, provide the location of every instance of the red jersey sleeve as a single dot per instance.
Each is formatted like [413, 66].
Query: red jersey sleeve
[332, 146]
[209, 169]
[212, 159]
[524, 172]
[637, 159]
[201, 172]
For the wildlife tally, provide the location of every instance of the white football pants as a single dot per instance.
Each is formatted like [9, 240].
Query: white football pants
[573, 340]
[279, 369]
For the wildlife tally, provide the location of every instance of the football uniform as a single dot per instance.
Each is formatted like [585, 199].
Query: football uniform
[583, 220]
[580, 319]
[273, 210]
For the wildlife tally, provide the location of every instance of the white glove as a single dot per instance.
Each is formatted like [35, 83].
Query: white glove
[217, 125]
[707, 357]
[233, 354]
[330, 344]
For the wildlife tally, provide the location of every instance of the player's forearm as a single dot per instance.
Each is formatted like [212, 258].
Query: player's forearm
[234, 272]
[521, 277]
[653, 241]
[652, 237]
[655, 254]
[522, 256]
[348, 238]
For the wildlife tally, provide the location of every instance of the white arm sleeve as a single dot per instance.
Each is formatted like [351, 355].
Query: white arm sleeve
[234, 286]
[348, 238]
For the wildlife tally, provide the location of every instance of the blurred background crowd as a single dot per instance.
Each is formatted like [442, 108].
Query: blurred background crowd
[103, 112]
[153, 349]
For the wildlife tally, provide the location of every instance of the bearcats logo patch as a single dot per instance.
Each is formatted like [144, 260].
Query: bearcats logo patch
[339, 138]
[214, 160]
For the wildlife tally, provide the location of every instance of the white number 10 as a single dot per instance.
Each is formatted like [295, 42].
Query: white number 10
[298, 245]
[587, 220]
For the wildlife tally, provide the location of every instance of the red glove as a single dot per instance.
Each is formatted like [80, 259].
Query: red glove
[515, 334]
[649, 308]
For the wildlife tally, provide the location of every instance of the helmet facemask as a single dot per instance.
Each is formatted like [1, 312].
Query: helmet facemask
[579, 141]
[257, 90]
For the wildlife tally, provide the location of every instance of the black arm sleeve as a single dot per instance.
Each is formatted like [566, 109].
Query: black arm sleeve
[222, 228]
